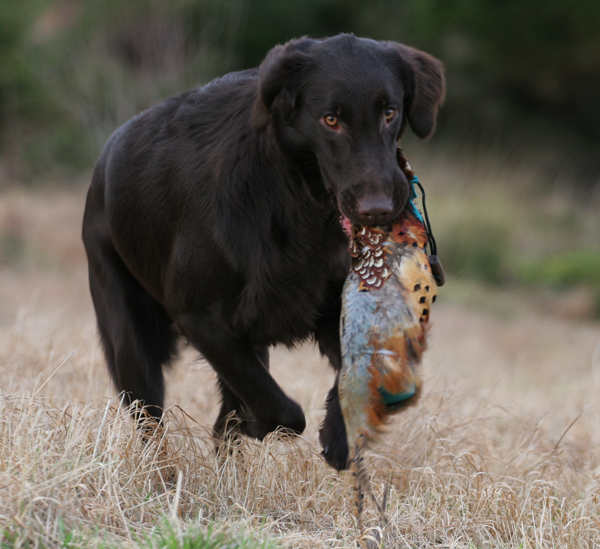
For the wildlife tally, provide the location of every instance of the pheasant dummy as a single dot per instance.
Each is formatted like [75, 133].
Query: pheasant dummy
[385, 315]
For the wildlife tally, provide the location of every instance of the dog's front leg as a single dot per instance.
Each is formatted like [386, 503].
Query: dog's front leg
[332, 433]
[242, 370]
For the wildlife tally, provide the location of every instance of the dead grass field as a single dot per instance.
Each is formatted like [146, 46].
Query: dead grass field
[503, 450]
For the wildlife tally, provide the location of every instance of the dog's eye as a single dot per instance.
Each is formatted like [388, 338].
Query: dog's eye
[331, 121]
[390, 114]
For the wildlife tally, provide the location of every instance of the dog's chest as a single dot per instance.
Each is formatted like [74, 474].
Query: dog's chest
[285, 306]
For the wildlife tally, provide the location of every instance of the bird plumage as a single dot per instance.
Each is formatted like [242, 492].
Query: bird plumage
[385, 316]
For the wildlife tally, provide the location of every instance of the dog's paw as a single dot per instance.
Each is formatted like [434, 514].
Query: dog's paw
[332, 434]
[336, 451]
[289, 418]
[293, 420]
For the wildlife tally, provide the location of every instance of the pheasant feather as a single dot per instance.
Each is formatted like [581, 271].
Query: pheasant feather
[385, 315]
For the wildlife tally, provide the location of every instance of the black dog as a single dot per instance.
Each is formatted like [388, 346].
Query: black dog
[216, 215]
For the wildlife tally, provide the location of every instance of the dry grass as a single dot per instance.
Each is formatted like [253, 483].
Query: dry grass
[502, 451]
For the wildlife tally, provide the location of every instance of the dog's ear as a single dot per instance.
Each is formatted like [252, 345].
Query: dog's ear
[279, 77]
[424, 85]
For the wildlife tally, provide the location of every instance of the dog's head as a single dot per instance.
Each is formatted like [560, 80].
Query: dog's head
[343, 103]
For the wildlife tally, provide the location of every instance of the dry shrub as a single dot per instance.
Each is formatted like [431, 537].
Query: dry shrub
[502, 450]
[457, 475]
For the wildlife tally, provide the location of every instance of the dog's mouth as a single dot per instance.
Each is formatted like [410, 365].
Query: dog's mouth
[346, 225]
[349, 218]
[373, 209]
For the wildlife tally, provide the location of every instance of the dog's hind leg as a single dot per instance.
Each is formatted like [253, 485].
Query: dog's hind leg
[137, 335]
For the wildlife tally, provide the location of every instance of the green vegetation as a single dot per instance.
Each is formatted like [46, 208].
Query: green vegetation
[523, 79]
[573, 268]
[75, 71]
[166, 536]
[476, 248]
[12, 249]
[509, 232]
[70, 72]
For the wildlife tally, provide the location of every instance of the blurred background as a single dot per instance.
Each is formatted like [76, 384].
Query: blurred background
[504, 447]
[513, 172]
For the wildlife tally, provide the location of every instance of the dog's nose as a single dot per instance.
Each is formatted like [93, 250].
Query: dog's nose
[374, 210]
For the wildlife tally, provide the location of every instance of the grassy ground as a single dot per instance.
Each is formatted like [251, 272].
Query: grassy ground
[502, 451]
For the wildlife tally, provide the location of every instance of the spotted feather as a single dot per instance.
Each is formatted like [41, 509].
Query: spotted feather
[385, 317]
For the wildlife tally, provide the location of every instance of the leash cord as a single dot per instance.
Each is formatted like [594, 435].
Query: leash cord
[431, 240]
[405, 167]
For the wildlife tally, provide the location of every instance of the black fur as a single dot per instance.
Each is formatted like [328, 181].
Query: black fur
[216, 215]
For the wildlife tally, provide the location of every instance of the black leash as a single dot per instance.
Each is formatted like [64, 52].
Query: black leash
[430, 238]
[434, 262]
